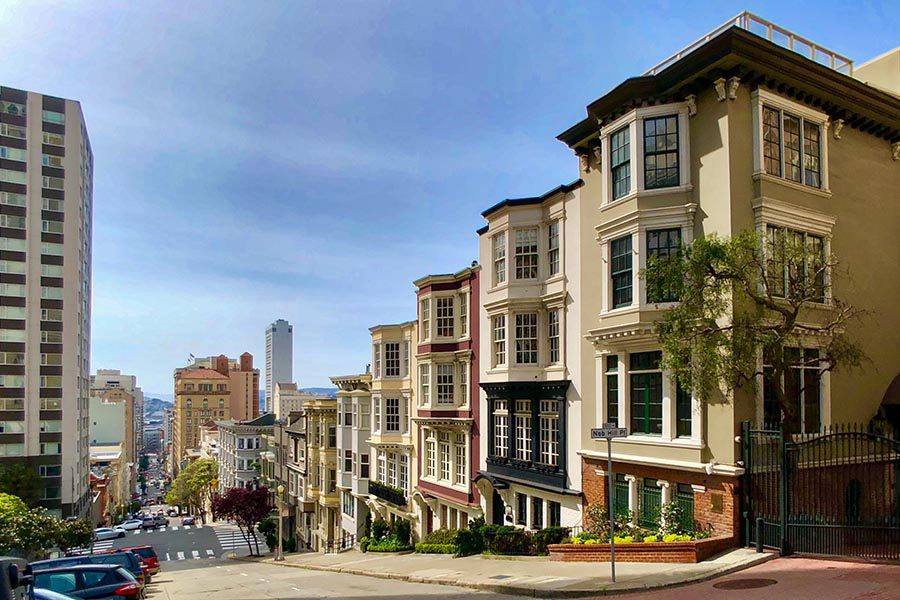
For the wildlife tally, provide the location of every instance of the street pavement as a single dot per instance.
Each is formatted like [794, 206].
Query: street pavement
[236, 580]
[187, 546]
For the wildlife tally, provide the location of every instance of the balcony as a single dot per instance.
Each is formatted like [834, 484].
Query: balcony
[775, 34]
[387, 493]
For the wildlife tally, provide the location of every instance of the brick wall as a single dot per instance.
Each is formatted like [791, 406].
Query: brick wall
[717, 507]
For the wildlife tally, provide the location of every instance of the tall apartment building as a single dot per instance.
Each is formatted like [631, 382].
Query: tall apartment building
[448, 409]
[533, 383]
[114, 379]
[46, 203]
[736, 133]
[201, 394]
[279, 357]
[243, 379]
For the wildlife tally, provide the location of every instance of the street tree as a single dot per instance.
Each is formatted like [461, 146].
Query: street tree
[246, 507]
[26, 532]
[193, 487]
[745, 305]
[23, 481]
[74, 534]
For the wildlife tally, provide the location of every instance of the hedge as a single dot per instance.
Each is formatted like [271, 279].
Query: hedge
[423, 548]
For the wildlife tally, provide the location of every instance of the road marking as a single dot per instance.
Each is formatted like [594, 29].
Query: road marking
[261, 579]
[181, 556]
[210, 552]
[167, 556]
[187, 526]
[295, 589]
[196, 554]
[137, 532]
[176, 529]
[162, 529]
[244, 574]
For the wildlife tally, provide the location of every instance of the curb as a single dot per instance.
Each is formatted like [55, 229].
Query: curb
[611, 589]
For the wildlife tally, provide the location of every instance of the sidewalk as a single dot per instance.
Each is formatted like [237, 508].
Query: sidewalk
[526, 576]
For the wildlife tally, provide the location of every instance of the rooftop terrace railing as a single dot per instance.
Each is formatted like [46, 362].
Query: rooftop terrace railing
[775, 34]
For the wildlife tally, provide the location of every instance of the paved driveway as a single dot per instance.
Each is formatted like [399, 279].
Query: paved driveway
[794, 579]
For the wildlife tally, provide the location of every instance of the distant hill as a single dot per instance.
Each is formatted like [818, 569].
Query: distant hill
[152, 404]
[320, 390]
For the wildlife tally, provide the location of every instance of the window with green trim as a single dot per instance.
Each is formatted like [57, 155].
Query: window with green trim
[683, 410]
[612, 388]
[646, 393]
[620, 272]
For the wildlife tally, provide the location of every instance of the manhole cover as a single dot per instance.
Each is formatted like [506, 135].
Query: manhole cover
[744, 584]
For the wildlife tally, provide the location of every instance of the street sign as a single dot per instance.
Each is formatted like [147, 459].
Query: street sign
[608, 433]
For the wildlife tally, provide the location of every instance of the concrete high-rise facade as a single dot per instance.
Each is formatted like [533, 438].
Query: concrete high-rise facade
[46, 203]
[110, 379]
[279, 357]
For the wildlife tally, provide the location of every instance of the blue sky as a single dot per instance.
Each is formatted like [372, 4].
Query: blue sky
[308, 161]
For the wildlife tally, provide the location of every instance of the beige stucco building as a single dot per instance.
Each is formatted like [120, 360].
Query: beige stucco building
[739, 134]
[200, 395]
[112, 418]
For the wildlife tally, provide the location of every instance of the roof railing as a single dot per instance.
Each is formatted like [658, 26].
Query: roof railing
[775, 34]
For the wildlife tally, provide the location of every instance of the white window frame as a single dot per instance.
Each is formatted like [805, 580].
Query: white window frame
[499, 254]
[534, 256]
[536, 338]
[443, 314]
[445, 378]
[634, 120]
[499, 340]
[425, 319]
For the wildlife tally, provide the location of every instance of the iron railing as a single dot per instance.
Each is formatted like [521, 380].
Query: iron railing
[345, 542]
[775, 34]
[836, 492]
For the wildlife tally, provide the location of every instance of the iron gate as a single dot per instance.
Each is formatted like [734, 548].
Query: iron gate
[831, 493]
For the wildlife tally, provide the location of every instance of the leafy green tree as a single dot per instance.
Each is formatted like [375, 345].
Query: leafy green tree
[74, 534]
[27, 532]
[194, 486]
[748, 295]
[23, 481]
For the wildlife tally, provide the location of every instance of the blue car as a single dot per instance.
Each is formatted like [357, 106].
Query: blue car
[90, 582]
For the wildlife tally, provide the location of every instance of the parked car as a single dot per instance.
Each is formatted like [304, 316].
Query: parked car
[98, 582]
[147, 554]
[129, 560]
[172, 512]
[132, 524]
[189, 520]
[108, 533]
[149, 523]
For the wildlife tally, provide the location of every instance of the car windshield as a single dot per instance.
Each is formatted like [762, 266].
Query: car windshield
[125, 574]
[118, 558]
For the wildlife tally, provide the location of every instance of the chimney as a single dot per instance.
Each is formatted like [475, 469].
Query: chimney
[222, 364]
[246, 361]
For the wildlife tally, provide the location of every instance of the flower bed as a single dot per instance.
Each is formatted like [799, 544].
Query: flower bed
[692, 551]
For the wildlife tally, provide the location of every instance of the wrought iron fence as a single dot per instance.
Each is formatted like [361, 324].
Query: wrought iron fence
[345, 542]
[832, 493]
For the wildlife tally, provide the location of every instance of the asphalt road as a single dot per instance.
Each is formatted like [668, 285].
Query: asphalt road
[235, 580]
[186, 546]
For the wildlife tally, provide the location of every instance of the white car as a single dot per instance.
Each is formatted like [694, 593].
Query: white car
[108, 533]
[132, 524]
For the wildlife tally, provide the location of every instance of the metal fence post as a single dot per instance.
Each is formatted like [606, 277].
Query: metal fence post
[746, 479]
[759, 534]
[784, 491]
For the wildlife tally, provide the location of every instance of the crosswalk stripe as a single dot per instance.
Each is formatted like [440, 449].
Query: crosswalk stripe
[137, 532]
[181, 556]
[209, 552]
[175, 528]
[162, 529]
[167, 556]
[187, 526]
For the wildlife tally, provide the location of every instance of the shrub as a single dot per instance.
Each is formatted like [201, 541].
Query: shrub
[400, 529]
[505, 539]
[587, 535]
[367, 528]
[628, 539]
[469, 541]
[548, 535]
[441, 536]
[477, 523]
[389, 544]
[380, 528]
[650, 539]
[672, 519]
[592, 542]
[364, 544]
[424, 548]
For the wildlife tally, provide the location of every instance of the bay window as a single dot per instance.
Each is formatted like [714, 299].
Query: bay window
[553, 248]
[646, 393]
[499, 252]
[498, 327]
[553, 335]
[663, 245]
[424, 383]
[526, 338]
[620, 271]
[424, 319]
[445, 383]
[526, 253]
[501, 428]
[444, 316]
[612, 389]
[661, 152]
[392, 359]
[620, 162]
[549, 424]
[802, 385]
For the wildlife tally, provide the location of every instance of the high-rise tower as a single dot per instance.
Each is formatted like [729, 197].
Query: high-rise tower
[279, 357]
[46, 203]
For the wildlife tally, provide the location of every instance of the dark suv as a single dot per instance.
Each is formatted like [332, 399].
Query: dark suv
[97, 582]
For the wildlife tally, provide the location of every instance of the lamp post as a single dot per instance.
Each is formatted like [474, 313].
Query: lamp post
[279, 554]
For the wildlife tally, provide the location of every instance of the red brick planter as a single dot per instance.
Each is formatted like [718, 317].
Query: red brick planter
[657, 552]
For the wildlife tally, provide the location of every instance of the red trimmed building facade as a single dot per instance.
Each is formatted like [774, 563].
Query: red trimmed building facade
[447, 407]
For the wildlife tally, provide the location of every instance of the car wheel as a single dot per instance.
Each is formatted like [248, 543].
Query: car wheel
[121, 534]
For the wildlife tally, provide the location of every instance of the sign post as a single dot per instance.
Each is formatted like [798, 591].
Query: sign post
[608, 432]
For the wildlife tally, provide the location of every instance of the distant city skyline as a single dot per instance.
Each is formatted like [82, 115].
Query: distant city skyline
[261, 163]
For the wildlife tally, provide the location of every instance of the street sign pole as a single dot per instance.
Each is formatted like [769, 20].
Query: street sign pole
[608, 432]
[612, 518]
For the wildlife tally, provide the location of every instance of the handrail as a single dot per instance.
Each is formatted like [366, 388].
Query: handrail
[747, 20]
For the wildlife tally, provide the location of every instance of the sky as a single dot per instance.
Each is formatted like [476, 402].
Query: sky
[309, 160]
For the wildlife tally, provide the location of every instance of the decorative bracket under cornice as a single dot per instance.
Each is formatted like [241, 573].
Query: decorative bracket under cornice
[727, 88]
[838, 125]
[895, 151]
[691, 101]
